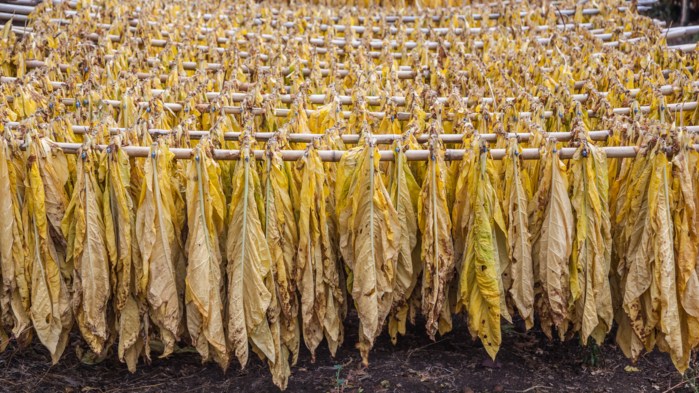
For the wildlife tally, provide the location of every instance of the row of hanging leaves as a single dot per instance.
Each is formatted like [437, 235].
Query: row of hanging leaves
[264, 253]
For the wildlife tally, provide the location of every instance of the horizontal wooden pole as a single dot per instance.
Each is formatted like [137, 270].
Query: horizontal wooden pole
[320, 44]
[320, 99]
[674, 32]
[336, 155]
[597, 135]
[419, 18]
[600, 135]
[401, 73]
[284, 112]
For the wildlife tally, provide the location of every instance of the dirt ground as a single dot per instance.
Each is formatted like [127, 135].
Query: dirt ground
[527, 362]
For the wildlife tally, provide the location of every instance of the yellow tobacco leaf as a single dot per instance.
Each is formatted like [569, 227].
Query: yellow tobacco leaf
[664, 295]
[50, 303]
[14, 270]
[129, 289]
[404, 192]
[591, 256]
[480, 283]
[158, 242]
[332, 140]
[532, 168]
[389, 125]
[203, 284]
[129, 112]
[369, 230]
[87, 253]
[637, 324]
[252, 309]
[282, 237]
[686, 238]
[551, 225]
[320, 276]
[322, 119]
[248, 265]
[55, 176]
[519, 247]
[437, 248]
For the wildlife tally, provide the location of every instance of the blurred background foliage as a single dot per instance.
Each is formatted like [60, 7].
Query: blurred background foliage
[671, 12]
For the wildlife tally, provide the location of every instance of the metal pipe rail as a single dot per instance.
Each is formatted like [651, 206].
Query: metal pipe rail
[4, 16]
[685, 47]
[27, 3]
[16, 8]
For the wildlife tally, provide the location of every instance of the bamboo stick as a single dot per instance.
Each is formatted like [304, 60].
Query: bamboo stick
[320, 99]
[598, 135]
[415, 18]
[362, 29]
[284, 112]
[384, 139]
[320, 44]
[674, 32]
[320, 50]
[402, 73]
[671, 32]
[336, 155]
[246, 86]
[469, 5]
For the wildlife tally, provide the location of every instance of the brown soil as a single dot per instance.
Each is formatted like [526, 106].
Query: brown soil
[527, 362]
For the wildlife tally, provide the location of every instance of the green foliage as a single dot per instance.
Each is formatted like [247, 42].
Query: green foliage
[592, 354]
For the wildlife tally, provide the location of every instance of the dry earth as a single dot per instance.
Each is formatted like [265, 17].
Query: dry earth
[527, 362]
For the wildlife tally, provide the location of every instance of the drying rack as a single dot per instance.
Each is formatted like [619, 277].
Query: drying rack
[62, 13]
